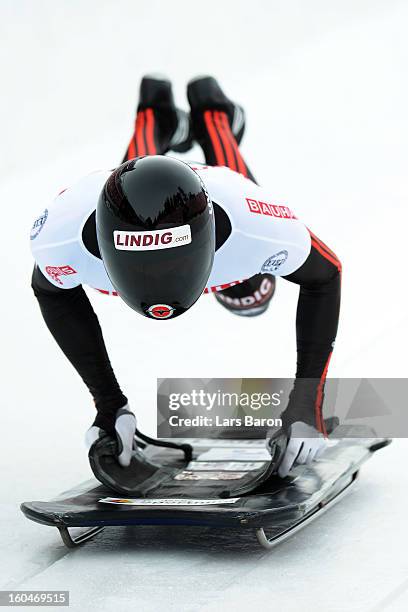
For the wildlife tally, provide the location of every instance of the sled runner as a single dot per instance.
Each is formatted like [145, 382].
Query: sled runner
[187, 494]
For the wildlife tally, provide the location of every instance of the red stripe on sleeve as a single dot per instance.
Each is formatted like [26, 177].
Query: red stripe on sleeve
[319, 400]
[333, 260]
[322, 244]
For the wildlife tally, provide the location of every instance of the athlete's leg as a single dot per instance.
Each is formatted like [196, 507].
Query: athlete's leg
[218, 126]
[159, 125]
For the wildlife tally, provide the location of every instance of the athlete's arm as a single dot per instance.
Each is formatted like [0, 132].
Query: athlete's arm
[316, 327]
[73, 323]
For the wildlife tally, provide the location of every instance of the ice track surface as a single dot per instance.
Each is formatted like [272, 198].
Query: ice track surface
[325, 89]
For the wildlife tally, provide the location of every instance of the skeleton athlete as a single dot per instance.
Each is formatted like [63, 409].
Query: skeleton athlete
[159, 232]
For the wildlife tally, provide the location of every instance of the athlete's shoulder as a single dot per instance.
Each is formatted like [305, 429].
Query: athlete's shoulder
[273, 239]
[55, 235]
[218, 174]
[61, 219]
[227, 188]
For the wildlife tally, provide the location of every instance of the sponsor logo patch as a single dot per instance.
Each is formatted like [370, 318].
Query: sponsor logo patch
[55, 272]
[261, 295]
[274, 262]
[269, 210]
[154, 240]
[38, 224]
[160, 311]
[225, 466]
[189, 475]
[171, 501]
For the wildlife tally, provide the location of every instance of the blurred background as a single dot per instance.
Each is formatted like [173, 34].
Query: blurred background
[324, 85]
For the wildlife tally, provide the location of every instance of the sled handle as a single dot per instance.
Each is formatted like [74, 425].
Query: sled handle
[187, 449]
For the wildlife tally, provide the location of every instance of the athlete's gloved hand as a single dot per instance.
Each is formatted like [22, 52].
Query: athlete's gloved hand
[305, 444]
[125, 427]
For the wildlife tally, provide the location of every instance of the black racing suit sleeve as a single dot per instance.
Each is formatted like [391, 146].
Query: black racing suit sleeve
[316, 327]
[74, 325]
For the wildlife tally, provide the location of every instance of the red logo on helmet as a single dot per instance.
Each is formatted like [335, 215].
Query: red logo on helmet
[160, 311]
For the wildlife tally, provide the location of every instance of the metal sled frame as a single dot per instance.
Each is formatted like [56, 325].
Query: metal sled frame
[269, 543]
[72, 541]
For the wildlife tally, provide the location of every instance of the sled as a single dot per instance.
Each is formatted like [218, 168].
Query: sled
[274, 511]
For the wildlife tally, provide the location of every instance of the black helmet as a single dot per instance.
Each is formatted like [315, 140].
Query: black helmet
[155, 229]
